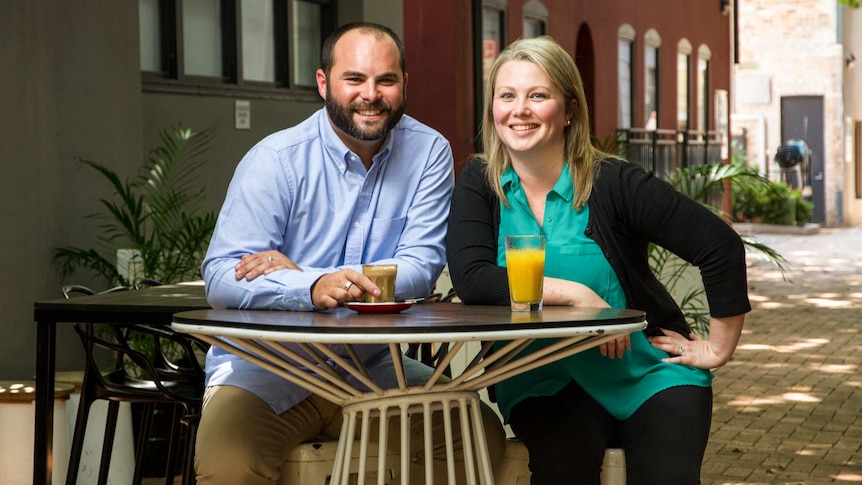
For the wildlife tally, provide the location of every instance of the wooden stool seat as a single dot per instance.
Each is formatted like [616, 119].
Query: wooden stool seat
[17, 418]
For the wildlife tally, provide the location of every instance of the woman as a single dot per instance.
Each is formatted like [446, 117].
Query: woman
[649, 393]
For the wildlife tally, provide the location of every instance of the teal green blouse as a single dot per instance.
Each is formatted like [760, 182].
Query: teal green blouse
[619, 385]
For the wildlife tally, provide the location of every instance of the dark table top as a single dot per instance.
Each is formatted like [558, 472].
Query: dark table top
[153, 305]
[420, 318]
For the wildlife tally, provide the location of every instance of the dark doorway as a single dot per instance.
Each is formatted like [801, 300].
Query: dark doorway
[802, 119]
[585, 59]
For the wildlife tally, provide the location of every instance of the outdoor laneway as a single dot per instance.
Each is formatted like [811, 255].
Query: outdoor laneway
[788, 408]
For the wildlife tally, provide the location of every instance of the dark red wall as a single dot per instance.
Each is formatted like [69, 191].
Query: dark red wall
[438, 39]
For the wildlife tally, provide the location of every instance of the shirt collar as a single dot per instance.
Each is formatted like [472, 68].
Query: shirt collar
[340, 152]
[511, 183]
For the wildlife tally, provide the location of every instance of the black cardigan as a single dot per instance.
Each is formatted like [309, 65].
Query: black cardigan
[628, 208]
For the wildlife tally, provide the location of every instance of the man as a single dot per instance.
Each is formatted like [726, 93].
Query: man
[357, 182]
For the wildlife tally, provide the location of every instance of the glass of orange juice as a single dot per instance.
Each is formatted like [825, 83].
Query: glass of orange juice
[525, 262]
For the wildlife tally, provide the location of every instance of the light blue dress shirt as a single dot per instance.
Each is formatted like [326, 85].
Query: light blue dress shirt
[302, 192]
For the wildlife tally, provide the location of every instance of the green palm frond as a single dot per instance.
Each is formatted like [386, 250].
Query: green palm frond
[699, 183]
[160, 214]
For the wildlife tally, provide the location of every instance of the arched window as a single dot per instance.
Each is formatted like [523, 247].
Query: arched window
[704, 56]
[535, 19]
[625, 76]
[683, 84]
[652, 79]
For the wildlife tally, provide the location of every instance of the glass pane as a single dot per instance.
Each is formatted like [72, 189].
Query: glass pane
[702, 87]
[202, 38]
[306, 42]
[624, 73]
[682, 92]
[533, 28]
[258, 41]
[492, 33]
[650, 86]
[151, 54]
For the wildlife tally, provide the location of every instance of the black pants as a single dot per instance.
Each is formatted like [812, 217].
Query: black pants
[566, 435]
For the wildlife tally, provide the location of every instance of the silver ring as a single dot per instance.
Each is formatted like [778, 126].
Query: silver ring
[271, 259]
[681, 350]
[348, 285]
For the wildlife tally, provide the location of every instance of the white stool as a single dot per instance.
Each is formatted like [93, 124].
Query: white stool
[514, 470]
[311, 464]
[122, 468]
[614, 467]
[515, 467]
[17, 421]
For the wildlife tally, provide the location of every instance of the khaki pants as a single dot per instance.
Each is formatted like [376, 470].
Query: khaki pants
[242, 441]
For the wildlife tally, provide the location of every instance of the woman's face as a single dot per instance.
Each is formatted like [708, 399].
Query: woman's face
[529, 111]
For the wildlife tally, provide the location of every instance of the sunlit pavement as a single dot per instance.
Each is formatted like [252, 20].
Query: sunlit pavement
[788, 407]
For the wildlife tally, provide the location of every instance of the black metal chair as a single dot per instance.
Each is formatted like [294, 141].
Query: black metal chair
[151, 365]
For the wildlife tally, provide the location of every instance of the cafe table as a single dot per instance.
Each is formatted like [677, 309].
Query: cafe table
[153, 305]
[323, 360]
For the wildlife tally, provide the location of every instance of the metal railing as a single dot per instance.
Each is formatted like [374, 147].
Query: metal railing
[662, 151]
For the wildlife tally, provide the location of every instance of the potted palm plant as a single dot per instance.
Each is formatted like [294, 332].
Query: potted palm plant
[157, 218]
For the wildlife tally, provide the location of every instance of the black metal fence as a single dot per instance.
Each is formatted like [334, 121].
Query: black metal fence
[662, 151]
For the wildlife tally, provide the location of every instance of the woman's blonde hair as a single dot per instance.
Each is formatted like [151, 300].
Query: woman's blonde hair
[557, 64]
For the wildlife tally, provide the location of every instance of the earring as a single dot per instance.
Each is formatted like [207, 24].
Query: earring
[568, 122]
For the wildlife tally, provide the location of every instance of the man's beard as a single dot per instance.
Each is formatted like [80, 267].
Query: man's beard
[342, 118]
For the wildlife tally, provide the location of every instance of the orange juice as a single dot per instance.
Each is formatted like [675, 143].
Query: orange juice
[526, 268]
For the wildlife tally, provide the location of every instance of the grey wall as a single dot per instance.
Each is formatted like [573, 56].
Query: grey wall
[71, 87]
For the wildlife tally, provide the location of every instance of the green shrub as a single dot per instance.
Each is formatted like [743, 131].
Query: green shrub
[757, 199]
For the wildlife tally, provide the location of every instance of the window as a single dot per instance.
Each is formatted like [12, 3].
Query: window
[652, 42]
[489, 18]
[202, 39]
[535, 19]
[493, 33]
[225, 45]
[683, 63]
[148, 18]
[703, 88]
[258, 41]
[625, 76]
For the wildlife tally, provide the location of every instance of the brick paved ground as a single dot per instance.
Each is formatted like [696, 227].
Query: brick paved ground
[788, 408]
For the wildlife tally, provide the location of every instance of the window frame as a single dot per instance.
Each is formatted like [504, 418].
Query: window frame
[704, 86]
[535, 11]
[479, 8]
[627, 36]
[652, 42]
[172, 79]
[683, 51]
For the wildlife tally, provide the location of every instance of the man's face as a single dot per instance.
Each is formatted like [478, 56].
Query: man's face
[364, 91]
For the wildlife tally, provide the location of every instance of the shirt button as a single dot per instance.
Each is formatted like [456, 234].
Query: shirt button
[302, 306]
[550, 219]
[342, 167]
[356, 224]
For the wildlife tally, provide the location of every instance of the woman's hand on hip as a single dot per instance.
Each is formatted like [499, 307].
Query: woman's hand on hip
[694, 352]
